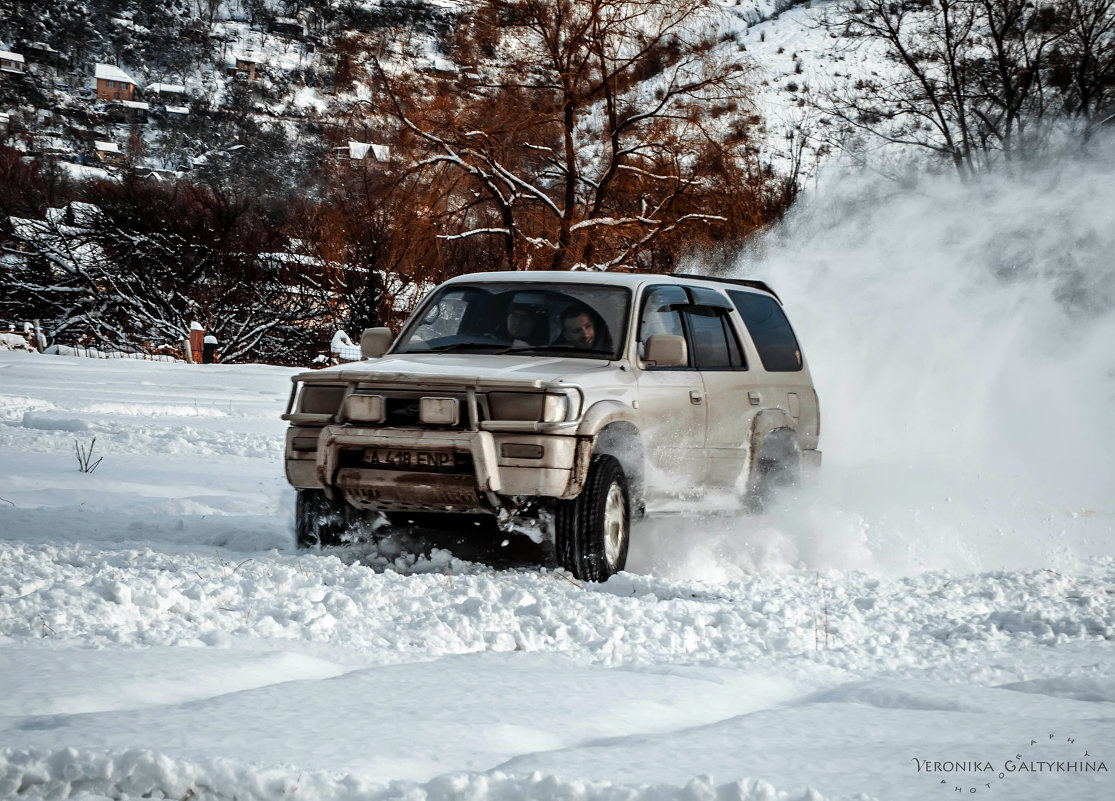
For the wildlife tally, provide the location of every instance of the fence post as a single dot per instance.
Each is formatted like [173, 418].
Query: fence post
[197, 340]
[40, 340]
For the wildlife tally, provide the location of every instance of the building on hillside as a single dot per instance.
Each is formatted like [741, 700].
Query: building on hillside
[159, 176]
[245, 67]
[109, 153]
[178, 112]
[113, 83]
[135, 111]
[442, 67]
[172, 92]
[364, 154]
[45, 54]
[288, 27]
[12, 62]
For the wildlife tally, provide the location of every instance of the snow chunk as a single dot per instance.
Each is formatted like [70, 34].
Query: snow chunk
[50, 422]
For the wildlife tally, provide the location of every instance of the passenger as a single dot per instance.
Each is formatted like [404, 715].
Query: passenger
[582, 328]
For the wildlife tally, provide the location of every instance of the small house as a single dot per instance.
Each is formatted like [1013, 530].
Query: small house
[113, 83]
[442, 67]
[245, 68]
[109, 153]
[43, 53]
[135, 111]
[174, 92]
[12, 62]
[364, 154]
[288, 28]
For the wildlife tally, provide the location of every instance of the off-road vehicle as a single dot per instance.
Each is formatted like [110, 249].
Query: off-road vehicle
[562, 404]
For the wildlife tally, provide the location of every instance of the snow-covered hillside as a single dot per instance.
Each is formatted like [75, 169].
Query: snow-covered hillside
[938, 617]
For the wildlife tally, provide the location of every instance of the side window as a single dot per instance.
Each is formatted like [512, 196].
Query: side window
[778, 347]
[714, 343]
[661, 313]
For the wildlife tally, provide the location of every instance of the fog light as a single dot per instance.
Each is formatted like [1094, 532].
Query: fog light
[365, 408]
[439, 411]
[520, 450]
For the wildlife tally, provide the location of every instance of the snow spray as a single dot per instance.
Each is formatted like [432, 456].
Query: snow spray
[961, 337]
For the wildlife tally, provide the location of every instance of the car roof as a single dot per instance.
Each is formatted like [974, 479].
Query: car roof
[631, 280]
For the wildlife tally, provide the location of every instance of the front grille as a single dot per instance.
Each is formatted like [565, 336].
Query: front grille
[401, 408]
[402, 412]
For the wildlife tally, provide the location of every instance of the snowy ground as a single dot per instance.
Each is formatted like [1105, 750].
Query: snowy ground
[940, 612]
[159, 634]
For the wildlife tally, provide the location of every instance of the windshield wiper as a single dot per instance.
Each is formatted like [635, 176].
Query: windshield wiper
[497, 347]
[537, 350]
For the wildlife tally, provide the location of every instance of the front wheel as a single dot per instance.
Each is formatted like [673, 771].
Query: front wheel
[593, 530]
[319, 520]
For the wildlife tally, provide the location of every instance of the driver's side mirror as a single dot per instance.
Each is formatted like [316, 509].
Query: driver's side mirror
[374, 342]
[666, 350]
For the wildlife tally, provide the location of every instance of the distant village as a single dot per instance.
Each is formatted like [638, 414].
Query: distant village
[96, 114]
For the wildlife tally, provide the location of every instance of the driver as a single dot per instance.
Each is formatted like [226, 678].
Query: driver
[527, 323]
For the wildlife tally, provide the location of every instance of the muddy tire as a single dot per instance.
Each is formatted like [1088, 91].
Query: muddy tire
[592, 531]
[320, 521]
[772, 478]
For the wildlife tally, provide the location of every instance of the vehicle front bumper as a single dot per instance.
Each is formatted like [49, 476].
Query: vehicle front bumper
[490, 477]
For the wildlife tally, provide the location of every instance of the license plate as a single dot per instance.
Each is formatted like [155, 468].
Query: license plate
[406, 459]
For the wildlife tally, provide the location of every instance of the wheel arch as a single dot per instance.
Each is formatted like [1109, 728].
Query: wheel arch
[773, 436]
[610, 427]
[775, 448]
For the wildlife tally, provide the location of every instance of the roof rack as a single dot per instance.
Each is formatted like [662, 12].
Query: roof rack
[747, 282]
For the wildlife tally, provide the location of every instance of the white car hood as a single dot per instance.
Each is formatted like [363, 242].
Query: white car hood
[472, 367]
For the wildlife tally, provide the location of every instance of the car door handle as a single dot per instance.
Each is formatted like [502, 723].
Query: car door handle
[695, 397]
[754, 398]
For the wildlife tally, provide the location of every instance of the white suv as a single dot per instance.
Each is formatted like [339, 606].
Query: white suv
[561, 403]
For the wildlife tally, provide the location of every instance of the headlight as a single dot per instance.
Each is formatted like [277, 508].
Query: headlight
[439, 411]
[320, 398]
[532, 407]
[555, 409]
[365, 408]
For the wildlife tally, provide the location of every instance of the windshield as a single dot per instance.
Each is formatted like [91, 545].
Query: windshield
[580, 320]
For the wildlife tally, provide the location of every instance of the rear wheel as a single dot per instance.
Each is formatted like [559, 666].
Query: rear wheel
[320, 521]
[773, 476]
[592, 531]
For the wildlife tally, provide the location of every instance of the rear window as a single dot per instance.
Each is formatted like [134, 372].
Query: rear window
[770, 330]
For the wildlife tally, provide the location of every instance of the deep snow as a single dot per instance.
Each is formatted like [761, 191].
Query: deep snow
[945, 596]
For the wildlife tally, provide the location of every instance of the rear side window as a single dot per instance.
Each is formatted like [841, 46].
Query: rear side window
[714, 343]
[774, 339]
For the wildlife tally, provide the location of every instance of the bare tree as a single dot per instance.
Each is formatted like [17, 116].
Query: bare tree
[976, 80]
[132, 268]
[583, 133]
[1083, 63]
